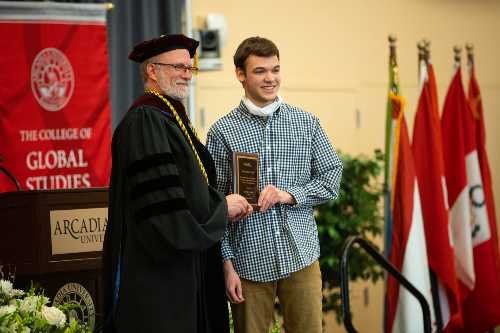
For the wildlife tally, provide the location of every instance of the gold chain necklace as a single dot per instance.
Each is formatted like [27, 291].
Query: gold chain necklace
[183, 128]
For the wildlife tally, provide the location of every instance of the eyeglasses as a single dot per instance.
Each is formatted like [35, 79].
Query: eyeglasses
[180, 67]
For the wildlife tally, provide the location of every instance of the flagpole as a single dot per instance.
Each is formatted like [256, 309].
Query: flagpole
[457, 50]
[427, 50]
[423, 56]
[387, 169]
[393, 87]
[393, 63]
[470, 56]
[470, 53]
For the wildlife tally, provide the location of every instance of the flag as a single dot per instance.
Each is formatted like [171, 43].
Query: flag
[454, 152]
[429, 166]
[482, 305]
[55, 112]
[406, 242]
[433, 94]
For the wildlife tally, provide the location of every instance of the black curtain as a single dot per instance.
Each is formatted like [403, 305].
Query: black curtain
[130, 22]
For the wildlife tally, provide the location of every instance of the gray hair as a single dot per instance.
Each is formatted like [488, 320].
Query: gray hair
[144, 66]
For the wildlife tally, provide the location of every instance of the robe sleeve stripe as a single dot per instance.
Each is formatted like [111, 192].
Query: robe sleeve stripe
[149, 162]
[154, 185]
[161, 208]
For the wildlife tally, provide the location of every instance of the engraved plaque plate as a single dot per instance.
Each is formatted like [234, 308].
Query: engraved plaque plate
[246, 177]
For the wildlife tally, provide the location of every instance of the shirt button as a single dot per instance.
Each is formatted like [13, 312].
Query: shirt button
[274, 212]
[269, 170]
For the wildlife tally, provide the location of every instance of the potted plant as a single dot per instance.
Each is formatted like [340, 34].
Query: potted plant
[356, 211]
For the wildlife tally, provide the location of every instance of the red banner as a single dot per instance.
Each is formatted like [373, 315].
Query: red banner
[55, 114]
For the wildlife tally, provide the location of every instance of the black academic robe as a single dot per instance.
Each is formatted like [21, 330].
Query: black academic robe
[162, 240]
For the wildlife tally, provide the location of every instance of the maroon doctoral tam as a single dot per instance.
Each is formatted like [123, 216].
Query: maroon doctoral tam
[152, 47]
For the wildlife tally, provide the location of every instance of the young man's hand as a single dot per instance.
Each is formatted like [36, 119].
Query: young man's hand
[271, 195]
[237, 207]
[234, 291]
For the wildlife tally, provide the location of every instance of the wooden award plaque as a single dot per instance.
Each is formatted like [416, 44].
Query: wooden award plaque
[246, 177]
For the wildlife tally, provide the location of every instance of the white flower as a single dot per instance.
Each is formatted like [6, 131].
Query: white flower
[6, 309]
[54, 316]
[16, 293]
[31, 304]
[28, 304]
[7, 292]
[5, 287]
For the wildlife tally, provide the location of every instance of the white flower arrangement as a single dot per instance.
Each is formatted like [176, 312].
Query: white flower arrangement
[30, 313]
[54, 316]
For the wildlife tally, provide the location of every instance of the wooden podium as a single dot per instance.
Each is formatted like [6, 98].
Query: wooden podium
[54, 238]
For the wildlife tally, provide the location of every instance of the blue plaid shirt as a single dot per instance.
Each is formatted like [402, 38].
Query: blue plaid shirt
[296, 156]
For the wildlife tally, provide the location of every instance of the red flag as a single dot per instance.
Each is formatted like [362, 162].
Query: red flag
[429, 167]
[433, 93]
[408, 252]
[55, 121]
[454, 154]
[482, 306]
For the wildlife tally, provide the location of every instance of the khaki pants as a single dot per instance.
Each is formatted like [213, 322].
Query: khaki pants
[300, 298]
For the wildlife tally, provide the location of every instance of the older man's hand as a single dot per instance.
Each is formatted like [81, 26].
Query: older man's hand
[238, 207]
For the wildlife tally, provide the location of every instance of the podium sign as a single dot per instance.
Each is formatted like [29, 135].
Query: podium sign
[77, 230]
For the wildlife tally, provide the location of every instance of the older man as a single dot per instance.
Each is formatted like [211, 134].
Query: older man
[162, 265]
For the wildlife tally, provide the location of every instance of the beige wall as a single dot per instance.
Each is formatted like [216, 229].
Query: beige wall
[334, 64]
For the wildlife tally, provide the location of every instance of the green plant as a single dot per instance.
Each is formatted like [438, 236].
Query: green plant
[357, 211]
[25, 312]
[276, 328]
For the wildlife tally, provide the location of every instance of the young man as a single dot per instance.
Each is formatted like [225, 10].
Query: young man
[275, 251]
[162, 266]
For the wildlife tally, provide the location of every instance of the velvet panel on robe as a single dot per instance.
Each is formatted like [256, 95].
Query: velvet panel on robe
[165, 224]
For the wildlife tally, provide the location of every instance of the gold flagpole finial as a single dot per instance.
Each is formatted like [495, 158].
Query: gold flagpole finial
[457, 50]
[393, 64]
[110, 6]
[421, 56]
[421, 50]
[392, 47]
[427, 49]
[470, 53]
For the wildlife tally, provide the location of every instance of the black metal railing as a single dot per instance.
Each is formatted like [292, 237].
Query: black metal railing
[344, 282]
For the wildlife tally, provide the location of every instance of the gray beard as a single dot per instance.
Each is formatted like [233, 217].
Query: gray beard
[173, 92]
